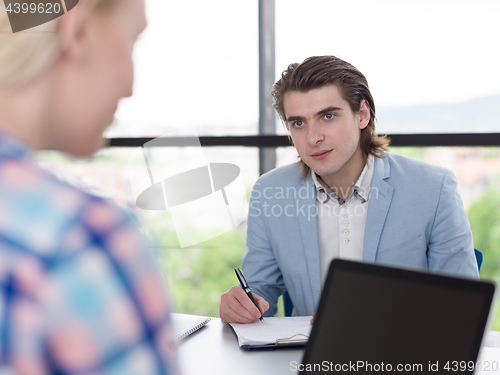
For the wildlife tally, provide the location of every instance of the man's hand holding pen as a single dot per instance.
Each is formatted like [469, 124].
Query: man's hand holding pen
[237, 306]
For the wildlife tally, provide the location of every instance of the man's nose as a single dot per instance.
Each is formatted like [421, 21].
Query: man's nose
[314, 133]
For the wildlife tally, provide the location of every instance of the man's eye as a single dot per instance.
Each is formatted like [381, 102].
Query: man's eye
[298, 124]
[329, 116]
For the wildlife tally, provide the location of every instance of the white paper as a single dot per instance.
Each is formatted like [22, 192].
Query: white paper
[272, 329]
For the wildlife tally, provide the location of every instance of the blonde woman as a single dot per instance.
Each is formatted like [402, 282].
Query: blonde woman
[78, 293]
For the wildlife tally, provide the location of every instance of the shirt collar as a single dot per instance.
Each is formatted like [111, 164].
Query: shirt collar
[361, 188]
[364, 182]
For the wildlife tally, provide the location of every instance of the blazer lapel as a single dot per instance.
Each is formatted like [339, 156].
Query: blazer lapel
[307, 221]
[378, 207]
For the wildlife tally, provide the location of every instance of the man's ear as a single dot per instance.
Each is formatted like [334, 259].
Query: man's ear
[364, 114]
[73, 33]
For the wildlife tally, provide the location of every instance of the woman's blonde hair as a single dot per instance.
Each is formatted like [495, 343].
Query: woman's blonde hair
[26, 54]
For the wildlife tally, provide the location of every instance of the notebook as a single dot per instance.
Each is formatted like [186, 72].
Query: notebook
[373, 319]
[273, 332]
[184, 325]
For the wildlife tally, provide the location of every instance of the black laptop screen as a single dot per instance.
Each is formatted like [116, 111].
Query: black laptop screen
[389, 320]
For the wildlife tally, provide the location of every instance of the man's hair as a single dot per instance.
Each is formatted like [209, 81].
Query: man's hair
[318, 71]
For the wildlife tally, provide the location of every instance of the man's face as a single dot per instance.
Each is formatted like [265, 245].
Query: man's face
[325, 131]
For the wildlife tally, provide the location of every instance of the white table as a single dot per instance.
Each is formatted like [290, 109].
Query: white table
[489, 357]
[214, 350]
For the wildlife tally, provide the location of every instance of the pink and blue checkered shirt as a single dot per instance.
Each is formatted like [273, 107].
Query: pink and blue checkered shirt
[78, 292]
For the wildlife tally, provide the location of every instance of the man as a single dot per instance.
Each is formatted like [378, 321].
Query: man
[346, 198]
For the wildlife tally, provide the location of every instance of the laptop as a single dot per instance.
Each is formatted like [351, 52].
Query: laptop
[378, 319]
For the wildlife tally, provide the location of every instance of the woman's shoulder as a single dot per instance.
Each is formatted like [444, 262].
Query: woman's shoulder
[42, 214]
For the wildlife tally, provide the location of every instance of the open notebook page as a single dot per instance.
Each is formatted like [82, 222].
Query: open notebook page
[272, 329]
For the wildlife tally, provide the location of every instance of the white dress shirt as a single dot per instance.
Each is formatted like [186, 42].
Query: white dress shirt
[341, 224]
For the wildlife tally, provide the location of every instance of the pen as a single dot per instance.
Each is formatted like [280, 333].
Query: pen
[246, 288]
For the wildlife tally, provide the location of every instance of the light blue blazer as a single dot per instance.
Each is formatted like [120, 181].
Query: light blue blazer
[415, 219]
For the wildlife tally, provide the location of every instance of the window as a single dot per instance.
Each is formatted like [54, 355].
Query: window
[196, 64]
[431, 65]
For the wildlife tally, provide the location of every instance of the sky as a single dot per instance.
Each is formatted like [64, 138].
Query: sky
[197, 63]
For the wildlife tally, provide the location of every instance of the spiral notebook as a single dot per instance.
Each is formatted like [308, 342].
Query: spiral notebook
[273, 332]
[184, 325]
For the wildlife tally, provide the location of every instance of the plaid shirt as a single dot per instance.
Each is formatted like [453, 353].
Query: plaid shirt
[78, 292]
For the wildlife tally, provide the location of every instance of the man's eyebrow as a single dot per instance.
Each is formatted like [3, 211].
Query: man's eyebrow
[329, 109]
[295, 118]
[320, 113]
